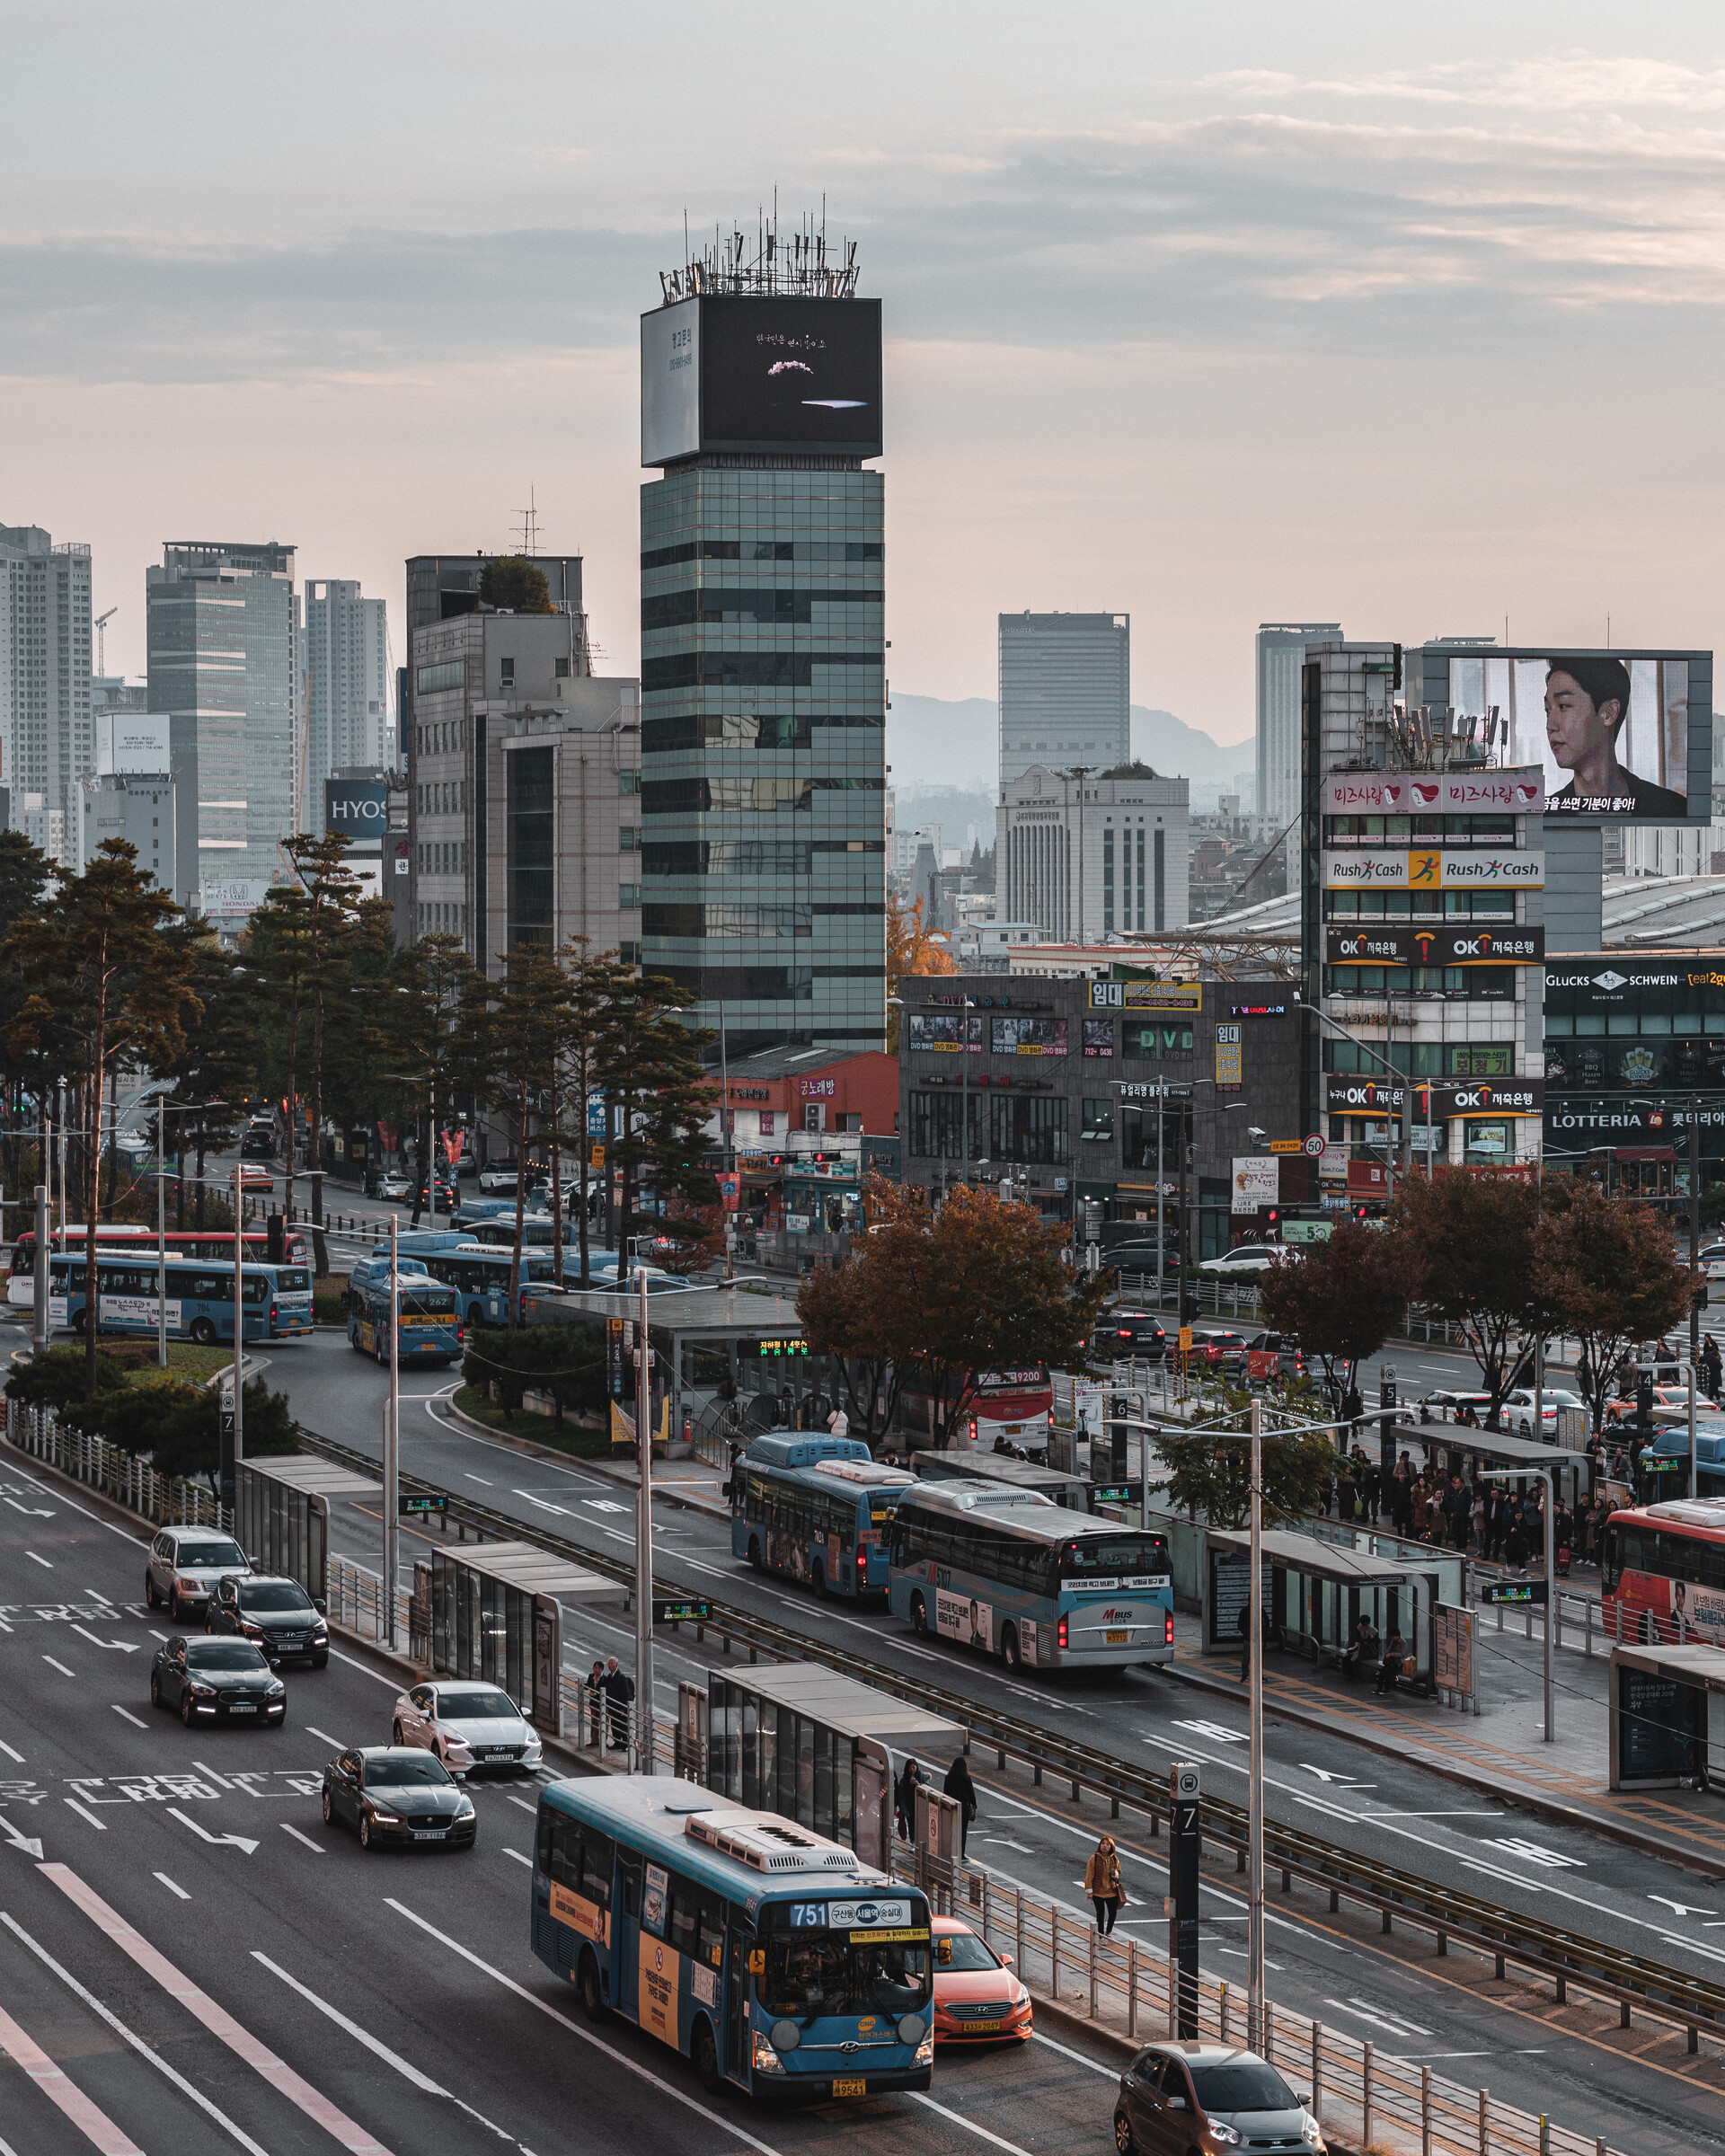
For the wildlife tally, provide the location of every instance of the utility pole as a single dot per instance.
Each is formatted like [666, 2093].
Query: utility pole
[724, 1140]
[644, 1724]
[161, 1231]
[231, 1462]
[41, 1267]
[1255, 1756]
[393, 1437]
[1694, 1279]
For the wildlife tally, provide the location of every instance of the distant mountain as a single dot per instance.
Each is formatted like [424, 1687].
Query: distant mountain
[932, 742]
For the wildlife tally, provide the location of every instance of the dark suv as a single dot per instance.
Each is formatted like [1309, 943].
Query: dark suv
[1123, 1334]
[276, 1615]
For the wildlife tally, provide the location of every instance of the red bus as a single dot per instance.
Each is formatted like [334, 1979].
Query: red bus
[1665, 1572]
[1015, 1404]
[132, 1236]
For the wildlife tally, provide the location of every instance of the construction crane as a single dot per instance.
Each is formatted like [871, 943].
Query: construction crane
[101, 641]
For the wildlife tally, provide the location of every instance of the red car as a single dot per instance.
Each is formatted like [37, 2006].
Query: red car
[977, 2000]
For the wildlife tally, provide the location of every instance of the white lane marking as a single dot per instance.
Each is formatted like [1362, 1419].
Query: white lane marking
[732, 2132]
[1534, 1852]
[138, 1542]
[171, 1888]
[204, 1834]
[422, 2081]
[30, 1846]
[1078, 2058]
[1212, 1732]
[124, 1647]
[325, 1737]
[1239, 1953]
[64, 1670]
[393, 1683]
[1382, 2017]
[31, 1512]
[519, 1859]
[220, 1780]
[10, 1754]
[1680, 1908]
[981, 2133]
[101, 1825]
[42, 1562]
[526, 1807]
[130, 2036]
[126, 1715]
[562, 1510]
[480, 1480]
[63, 2093]
[316, 1848]
[163, 1637]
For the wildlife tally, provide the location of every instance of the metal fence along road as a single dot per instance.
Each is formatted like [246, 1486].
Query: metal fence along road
[164, 1501]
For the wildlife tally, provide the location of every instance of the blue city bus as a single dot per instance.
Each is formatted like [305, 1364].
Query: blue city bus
[770, 1957]
[817, 1509]
[291, 1314]
[479, 1274]
[199, 1298]
[1006, 1571]
[431, 1330]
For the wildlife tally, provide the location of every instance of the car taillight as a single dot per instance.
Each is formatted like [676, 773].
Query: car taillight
[1168, 1628]
[272, 1313]
[1063, 1632]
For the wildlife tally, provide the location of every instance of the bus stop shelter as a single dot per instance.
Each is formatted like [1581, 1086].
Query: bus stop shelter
[1451, 1447]
[816, 1746]
[281, 1515]
[1315, 1594]
[1660, 1701]
[497, 1614]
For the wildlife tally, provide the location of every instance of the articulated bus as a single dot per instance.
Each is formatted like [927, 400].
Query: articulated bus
[131, 1235]
[430, 1326]
[1006, 1571]
[817, 1509]
[199, 1299]
[1663, 1577]
[769, 1956]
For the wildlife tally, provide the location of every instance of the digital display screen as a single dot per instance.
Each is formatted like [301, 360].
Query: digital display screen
[790, 370]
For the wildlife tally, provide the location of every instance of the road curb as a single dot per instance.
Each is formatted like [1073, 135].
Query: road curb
[1707, 1863]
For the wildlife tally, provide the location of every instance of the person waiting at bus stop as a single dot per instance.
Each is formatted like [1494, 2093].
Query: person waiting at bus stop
[958, 1784]
[1390, 1668]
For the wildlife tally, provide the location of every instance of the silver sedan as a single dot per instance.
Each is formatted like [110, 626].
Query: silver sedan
[468, 1724]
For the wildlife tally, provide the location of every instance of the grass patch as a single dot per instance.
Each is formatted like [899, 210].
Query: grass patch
[186, 1359]
[330, 1305]
[580, 1442]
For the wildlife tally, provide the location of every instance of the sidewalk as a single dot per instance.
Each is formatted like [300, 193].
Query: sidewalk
[1501, 1751]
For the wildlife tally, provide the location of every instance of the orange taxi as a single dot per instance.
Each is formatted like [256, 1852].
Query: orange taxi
[977, 2000]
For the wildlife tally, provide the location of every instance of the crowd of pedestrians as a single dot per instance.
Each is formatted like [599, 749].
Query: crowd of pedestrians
[1498, 1520]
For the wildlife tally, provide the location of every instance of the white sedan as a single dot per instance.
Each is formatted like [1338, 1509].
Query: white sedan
[468, 1724]
[1519, 1409]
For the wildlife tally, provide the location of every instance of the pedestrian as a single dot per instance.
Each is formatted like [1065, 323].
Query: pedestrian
[1102, 1883]
[838, 1422]
[1390, 1668]
[1373, 1489]
[1712, 1374]
[1244, 1628]
[1461, 1511]
[1417, 1509]
[1476, 1517]
[1366, 1646]
[904, 1799]
[958, 1784]
[593, 1698]
[619, 1689]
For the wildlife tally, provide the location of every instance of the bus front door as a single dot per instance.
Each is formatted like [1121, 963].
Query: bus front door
[736, 1982]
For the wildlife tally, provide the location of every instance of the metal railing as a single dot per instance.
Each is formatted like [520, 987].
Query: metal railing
[165, 1501]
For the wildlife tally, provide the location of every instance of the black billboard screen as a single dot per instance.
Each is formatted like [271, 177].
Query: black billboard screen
[801, 371]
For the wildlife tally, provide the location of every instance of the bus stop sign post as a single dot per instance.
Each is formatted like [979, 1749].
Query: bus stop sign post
[1184, 1842]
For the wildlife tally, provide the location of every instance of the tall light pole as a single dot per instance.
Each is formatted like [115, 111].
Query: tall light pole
[643, 1727]
[724, 1140]
[967, 1007]
[393, 1437]
[239, 1335]
[161, 1231]
[1255, 1728]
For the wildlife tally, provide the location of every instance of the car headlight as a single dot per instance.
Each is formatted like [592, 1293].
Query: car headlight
[277, 1692]
[1311, 2132]
[383, 1819]
[766, 2059]
[203, 1692]
[926, 2050]
[1224, 2135]
[464, 1810]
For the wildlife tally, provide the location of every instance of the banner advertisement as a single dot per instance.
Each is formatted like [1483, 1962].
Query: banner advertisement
[1482, 791]
[1229, 1058]
[1434, 868]
[232, 899]
[1146, 995]
[1406, 943]
[1436, 1099]
[1256, 1182]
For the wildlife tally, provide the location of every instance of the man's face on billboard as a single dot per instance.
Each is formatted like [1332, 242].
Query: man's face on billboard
[1579, 731]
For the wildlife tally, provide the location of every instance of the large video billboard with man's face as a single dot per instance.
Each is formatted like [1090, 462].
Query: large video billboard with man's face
[1611, 729]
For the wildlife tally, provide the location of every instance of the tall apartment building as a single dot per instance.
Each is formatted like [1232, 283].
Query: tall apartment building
[220, 629]
[1094, 857]
[343, 721]
[45, 745]
[763, 649]
[1065, 691]
[1281, 654]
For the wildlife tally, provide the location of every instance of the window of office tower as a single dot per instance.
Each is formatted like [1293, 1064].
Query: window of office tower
[532, 881]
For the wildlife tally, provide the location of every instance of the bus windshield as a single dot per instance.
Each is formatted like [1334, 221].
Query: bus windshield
[807, 1978]
[1114, 1560]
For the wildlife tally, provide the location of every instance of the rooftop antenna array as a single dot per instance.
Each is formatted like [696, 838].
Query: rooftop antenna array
[530, 522]
[1427, 736]
[797, 265]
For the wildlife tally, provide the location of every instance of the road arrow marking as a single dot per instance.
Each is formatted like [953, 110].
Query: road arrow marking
[126, 1647]
[31, 1512]
[204, 1834]
[30, 1847]
[1682, 1908]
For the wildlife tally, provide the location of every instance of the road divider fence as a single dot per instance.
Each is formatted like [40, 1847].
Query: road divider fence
[164, 1500]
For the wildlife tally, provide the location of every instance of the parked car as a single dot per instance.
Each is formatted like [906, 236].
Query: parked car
[184, 1565]
[467, 1724]
[1518, 1411]
[389, 1794]
[276, 1615]
[1124, 1333]
[1246, 1263]
[218, 1680]
[1628, 1410]
[498, 1177]
[1178, 2097]
[977, 2000]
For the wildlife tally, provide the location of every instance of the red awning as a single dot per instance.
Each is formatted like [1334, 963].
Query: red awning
[1644, 1152]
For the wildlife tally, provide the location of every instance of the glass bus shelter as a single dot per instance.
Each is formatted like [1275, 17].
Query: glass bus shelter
[281, 1515]
[497, 1614]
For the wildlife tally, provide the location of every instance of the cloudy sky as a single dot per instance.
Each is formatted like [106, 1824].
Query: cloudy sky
[1207, 315]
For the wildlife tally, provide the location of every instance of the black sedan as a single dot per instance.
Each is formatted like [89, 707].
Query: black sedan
[218, 1680]
[277, 1615]
[398, 1794]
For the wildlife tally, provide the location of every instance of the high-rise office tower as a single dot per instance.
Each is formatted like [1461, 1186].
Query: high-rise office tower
[46, 746]
[1065, 691]
[1281, 653]
[343, 721]
[762, 650]
[220, 635]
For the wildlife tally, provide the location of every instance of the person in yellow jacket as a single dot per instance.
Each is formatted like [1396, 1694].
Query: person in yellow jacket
[1102, 1884]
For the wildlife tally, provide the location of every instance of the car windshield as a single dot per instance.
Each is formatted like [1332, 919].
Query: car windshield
[1114, 1557]
[807, 1978]
[202, 1554]
[964, 1950]
[275, 1594]
[1241, 2085]
[223, 1653]
[395, 1772]
[478, 1706]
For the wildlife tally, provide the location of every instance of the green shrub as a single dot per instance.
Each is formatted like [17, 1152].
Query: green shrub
[566, 1361]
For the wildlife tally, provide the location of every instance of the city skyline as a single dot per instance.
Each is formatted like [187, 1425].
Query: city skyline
[1177, 333]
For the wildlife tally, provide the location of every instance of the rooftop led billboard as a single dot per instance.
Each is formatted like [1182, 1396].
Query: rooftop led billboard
[735, 372]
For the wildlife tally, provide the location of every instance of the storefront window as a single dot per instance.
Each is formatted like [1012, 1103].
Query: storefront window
[1490, 1145]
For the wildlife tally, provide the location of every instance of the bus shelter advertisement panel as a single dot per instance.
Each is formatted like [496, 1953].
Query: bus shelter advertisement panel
[963, 1618]
[1609, 729]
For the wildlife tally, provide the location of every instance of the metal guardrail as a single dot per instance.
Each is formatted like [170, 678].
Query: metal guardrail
[165, 1501]
[1566, 1959]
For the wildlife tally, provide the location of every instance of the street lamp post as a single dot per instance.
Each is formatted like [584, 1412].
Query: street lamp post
[1255, 1739]
[643, 1717]
[393, 1437]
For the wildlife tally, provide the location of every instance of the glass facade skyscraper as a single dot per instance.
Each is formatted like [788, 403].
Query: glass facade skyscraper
[764, 745]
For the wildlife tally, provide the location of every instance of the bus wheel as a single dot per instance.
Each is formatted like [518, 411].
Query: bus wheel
[77, 1324]
[755, 1552]
[918, 1615]
[203, 1330]
[586, 1984]
[1009, 1647]
[704, 2052]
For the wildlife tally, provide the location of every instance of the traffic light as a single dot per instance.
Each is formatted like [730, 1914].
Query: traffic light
[1360, 1213]
[1274, 1217]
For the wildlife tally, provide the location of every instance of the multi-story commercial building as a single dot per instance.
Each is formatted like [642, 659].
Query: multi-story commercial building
[1281, 654]
[46, 746]
[136, 806]
[763, 653]
[524, 823]
[1066, 691]
[222, 668]
[1095, 856]
[344, 690]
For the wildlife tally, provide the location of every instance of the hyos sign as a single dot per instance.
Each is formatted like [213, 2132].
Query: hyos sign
[359, 808]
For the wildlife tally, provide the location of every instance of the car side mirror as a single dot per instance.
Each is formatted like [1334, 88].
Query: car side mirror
[320, 1606]
[1302, 2097]
[1176, 2103]
[1006, 1961]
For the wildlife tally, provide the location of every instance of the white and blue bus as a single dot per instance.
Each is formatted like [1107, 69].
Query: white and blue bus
[291, 1316]
[430, 1327]
[1005, 1571]
[200, 1297]
[479, 1274]
[771, 1957]
[816, 1509]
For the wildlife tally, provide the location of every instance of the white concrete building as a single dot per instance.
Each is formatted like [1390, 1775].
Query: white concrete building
[1094, 857]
